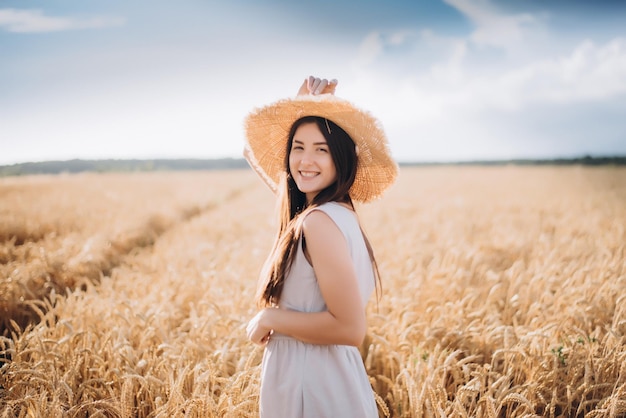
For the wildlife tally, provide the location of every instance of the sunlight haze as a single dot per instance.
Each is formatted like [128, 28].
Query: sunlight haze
[449, 80]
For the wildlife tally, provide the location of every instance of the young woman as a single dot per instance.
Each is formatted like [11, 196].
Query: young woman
[319, 153]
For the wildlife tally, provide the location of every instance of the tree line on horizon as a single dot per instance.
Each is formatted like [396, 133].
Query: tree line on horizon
[137, 165]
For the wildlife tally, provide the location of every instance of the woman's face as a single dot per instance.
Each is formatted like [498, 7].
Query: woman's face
[310, 162]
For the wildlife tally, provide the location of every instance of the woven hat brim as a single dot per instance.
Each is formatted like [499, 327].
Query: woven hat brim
[267, 129]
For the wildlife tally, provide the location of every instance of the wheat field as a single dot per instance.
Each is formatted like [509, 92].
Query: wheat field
[127, 295]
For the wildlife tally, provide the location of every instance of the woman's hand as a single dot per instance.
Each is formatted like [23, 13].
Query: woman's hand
[257, 332]
[315, 86]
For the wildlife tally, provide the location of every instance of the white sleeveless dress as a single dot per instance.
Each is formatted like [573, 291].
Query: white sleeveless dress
[301, 380]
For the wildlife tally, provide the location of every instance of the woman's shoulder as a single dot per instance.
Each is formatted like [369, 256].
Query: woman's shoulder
[341, 215]
[335, 207]
[318, 223]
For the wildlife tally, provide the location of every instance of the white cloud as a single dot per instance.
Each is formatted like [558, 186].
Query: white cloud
[370, 49]
[590, 72]
[398, 38]
[439, 72]
[34, 21]
[485, 94]
[496, 29]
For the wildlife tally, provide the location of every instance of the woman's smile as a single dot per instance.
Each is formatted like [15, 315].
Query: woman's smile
[310, 163]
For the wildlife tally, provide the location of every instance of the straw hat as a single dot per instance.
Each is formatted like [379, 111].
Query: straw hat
[267, 131]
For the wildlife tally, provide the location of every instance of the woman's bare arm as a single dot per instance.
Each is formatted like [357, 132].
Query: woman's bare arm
[344, 322]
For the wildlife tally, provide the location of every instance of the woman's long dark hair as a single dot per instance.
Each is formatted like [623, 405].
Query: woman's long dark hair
[292, 204]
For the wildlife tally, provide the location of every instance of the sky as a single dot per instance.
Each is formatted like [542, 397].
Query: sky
[450, 80]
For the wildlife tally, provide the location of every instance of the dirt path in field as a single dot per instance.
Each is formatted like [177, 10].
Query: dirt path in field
[34, 266]
[145, 236]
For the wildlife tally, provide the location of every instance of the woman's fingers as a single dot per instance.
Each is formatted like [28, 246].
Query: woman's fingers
[304, 88]
[332, 84]
[322, 85]
[255, 332]
[315, 85]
